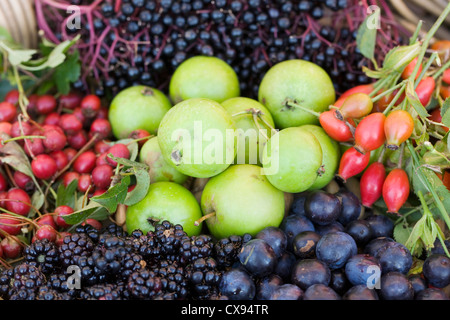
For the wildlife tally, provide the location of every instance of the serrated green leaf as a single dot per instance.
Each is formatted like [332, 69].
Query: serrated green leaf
[67, 195]
[367, 34]
[12, 154]
[114, 195]
[17, 56]
[142, 185]
[413, 99]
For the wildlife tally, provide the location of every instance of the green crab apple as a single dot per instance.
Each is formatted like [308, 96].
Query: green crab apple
[204, 77]
[197, 137]
[292, 159]
[137, 107]
[241, 200]
[296, 82]
[160, 170]
[165, 201]
[330, 156]
[254, 125]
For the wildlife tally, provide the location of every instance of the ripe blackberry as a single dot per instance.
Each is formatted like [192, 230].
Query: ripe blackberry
[21, 282]
[144, 285]
[107, 291]
[226, 250]
[89, 231]
[195, 247]
[169, 236]
[145, 245]
[59, 283]
[203, 276]
[47, 293]
[73, 247]
[113, 230]
[43, 254]
[173, 280]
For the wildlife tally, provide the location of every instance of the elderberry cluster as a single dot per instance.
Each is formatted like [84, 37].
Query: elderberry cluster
[144, 41]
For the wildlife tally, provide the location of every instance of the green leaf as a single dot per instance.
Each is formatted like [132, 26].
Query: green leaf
[81, 215]
[67, 195]
[141, 189]
[445, 112]
[67, 73]
[12, 154]
[129, 163]
[114, 195]
[416, 234]
[54, 59]
[402, 233]
[132, 145]
[413, 99]
[17, 56]
[37, 201]
[399, 57]
[367, 34]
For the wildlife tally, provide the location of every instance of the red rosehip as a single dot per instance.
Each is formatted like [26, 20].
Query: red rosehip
[44, 167]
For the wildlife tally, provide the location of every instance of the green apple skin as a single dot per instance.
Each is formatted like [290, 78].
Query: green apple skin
[165, 201]
[303, 81]
[137, 107]
[184, 141]
[291, 159]
[204, 77]
[160, 170]
[247, 130]
[330, 156]
[243, 201]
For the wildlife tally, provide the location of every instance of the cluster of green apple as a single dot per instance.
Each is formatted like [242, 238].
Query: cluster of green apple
[249, 154]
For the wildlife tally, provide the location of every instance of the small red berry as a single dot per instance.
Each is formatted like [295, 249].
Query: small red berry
[118, 150]
[352, 163]
[77, 140]
[6, 127]
[3, 183]
[85, 183]
[59, 213]
[12, 96]
[45, 232]
[140, 134]
[69, 101]
[371, 183]
[23, 181]
[101, 146]
[90, 105]
[44, 167]
[85, 162]
[10, 225]
[46, 104]
[52, 119]
[60, 158]
[54, 139]
[8, 111]
[369, 134]
[68, 177]
[101, 176]
[101, 128]
[70, 123]
[20, 129]
[70, 153]
[18, 201]
[11, 247]
[46, 219]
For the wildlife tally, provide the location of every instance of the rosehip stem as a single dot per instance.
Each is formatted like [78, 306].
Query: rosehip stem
[427, 66]
[441, 70]
[205, 217]
[385, 93]
[394, 100]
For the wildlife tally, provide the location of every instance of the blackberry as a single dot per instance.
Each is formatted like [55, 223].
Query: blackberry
[169, 236]
[73, 247]
[195, 247]
[47, 293]
[43, 254]
[108, 291]
[225, 250]
[173, 280]
[89, 231]
[21, 282]
[144, 285]
[59, 283]
[145, 245]
[203, 276]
